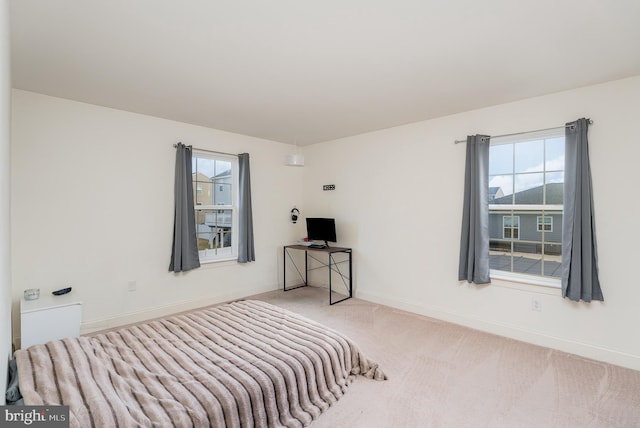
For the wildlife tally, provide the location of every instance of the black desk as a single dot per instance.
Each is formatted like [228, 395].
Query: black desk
[333, 265]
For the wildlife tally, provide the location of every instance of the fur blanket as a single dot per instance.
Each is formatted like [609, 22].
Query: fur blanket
[242, 364]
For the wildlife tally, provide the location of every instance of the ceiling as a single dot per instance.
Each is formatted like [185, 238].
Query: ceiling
[304, 72]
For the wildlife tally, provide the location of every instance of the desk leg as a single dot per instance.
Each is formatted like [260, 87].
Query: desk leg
[306, 270]
[330, 276]
[286, 254]
[350, 276]
[331, 302]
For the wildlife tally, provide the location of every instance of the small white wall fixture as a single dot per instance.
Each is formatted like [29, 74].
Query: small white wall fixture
[296, 159]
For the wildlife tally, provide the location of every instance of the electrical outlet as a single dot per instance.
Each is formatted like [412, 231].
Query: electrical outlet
[132, 285]
[329, 187]
[536, 305]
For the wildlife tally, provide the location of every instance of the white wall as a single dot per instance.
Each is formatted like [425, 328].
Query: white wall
[92, 206]
[92, 195]
[5, 199]
[398, 203]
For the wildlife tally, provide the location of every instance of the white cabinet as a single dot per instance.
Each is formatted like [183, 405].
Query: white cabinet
[49, 318]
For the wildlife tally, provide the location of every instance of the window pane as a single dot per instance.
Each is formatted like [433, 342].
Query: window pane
[222, 191]
[529, 188]
[554, 154]
[501, 159]
[527, 258]
[510, 221]
[222, 183]
[553, 251]
[500, 255]
[222, 194]
[202, 191]
[501, 189]
[202, 170]
[554, 190]
[552, 260]
[213, 229]
[203, 166]
[554, 177]
[529, 156]
[223, 168]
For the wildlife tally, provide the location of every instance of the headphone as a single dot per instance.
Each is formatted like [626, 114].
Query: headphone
[294, 215]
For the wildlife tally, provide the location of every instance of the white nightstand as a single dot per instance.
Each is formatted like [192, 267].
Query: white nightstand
[49, 318]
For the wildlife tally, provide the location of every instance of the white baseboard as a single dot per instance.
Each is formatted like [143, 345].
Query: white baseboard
[119, 320]
[585, 350]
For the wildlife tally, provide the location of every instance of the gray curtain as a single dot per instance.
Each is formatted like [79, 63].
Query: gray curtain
[184, 251]
[579, 250]
[246, 250]
[474, 241]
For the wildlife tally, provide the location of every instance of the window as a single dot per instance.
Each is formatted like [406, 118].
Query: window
[215, 184]
[545, 223]
[510, 227]
[526, 180]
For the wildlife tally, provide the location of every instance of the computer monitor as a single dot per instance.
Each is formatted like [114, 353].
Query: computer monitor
[321, 229]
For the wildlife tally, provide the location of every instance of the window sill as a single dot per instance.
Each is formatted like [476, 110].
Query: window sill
[522, 281]
[220, 262]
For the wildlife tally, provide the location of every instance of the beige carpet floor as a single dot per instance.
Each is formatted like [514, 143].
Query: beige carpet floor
[444, 375]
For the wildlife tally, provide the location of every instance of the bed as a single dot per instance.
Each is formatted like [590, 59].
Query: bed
[242, 364]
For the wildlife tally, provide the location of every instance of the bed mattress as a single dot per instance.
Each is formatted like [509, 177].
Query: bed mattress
[242, 364]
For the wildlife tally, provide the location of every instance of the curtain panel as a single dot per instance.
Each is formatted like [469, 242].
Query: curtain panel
[184, 251]
[579, 249]
[474, 240]
[246, 249]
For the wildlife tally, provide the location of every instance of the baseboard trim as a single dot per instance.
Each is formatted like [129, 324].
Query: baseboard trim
[570, 346]
[119, 320]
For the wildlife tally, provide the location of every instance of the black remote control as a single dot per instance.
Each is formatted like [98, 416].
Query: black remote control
[61, 291]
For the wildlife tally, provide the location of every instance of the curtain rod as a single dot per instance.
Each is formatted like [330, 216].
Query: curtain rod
[525, 132]
[209, 151]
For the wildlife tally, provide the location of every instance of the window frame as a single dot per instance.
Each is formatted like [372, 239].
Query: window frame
[214, 255]
[510, 210]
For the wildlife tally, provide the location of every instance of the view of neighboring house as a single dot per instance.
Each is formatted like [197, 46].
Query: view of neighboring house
[495, 192]
[213, 225]
[529, 236]
[214, 190]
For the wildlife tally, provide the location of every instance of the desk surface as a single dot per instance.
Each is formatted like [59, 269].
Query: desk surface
[324, 250]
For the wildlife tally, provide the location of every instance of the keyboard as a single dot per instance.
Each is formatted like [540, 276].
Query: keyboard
[317, 246]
